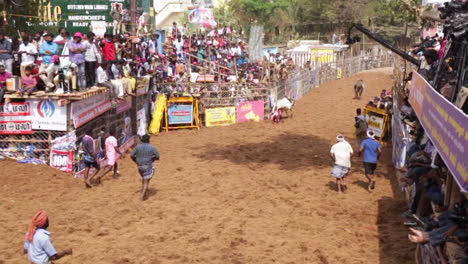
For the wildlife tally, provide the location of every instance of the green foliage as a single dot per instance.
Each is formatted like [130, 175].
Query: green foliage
[303, 17]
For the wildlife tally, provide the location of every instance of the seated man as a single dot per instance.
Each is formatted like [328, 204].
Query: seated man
[59, 75]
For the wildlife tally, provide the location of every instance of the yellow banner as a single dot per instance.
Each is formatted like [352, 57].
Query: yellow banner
[222, 116]
[322, 55]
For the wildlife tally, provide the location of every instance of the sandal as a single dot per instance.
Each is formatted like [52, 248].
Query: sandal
[371, 185]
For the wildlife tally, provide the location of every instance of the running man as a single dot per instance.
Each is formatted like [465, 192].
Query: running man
[90, 157]
[341, 154]
[112, 150]
[38, 244]
[372, 150]
[144, 155]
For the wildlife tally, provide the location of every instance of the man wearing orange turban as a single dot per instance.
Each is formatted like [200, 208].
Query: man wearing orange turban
[38, 244]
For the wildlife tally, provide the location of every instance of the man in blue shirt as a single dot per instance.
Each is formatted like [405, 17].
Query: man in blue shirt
[48, 49]
[38, 244]
[372, 150]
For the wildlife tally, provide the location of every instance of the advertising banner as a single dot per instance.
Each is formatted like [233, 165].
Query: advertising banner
[124, 105]
[48, 115]
[445, 124]
[61, 155]
[81, 15]
[15, 109]
[322, 55]
[15, 127]
[250, 111]
[86, 110]
[202, 16]
[180, 114]
[15, 118]
[376, 124]
[222, 116]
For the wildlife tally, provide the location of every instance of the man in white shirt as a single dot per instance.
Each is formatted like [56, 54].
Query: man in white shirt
[28, 54]
[179, 45]
[92, 56]
[341, 154]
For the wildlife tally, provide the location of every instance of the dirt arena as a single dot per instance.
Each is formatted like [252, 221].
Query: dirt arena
[250, 193]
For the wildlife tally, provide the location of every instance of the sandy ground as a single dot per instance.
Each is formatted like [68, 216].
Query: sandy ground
[250, 193]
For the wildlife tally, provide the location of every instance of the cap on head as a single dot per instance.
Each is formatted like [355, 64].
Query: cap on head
[55, 58]
[340, 138]
[78, 35]
[370, 134]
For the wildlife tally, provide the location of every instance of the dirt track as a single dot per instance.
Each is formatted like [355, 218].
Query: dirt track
[250, 193]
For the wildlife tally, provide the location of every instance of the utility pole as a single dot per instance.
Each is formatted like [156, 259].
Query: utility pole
[133, 10]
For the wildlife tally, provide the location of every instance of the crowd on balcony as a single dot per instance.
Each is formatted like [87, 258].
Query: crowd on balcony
[67, 62]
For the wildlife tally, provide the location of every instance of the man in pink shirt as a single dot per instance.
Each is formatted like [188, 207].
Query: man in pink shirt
[112, 154]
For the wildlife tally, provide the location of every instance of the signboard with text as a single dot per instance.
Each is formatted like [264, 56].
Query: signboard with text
[48, 115]
[15, 118]
[250, 111]
[180, 114]
[445, 124]
[86, 110]
[79, 15]
[222, 116]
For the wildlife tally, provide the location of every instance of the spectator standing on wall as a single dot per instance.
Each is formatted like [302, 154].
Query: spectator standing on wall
[372, 150]
[28, 54]
[6, 57]
[92, 57]
[108, 48]
[77, 56]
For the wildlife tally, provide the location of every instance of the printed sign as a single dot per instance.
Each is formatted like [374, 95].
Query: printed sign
[48, 115]
[445, 124]
[61, 155]
[80, 15]
[15, 109]
[322, 55]
[222, 116]
[15, 118]
[376, 124]
[180, 114]
[86, 110]
[15, 127]
[250, 111]
[124, 105]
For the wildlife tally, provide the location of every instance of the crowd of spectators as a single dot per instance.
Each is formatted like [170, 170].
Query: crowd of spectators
[425, 178]
[68, 63]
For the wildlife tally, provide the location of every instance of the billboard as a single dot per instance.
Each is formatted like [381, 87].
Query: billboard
[445, 124]
[222, 116]
[180, 114]
[79, 15]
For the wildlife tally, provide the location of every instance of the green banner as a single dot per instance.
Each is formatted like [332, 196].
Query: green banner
[83, 15]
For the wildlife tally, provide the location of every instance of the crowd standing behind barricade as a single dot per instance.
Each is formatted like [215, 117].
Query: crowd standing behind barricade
[67, 63]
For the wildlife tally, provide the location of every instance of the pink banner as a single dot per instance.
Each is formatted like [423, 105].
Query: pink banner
[250, 111]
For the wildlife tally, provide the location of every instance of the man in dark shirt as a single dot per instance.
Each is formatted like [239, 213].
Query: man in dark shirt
[144, 155]
[90, 157]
